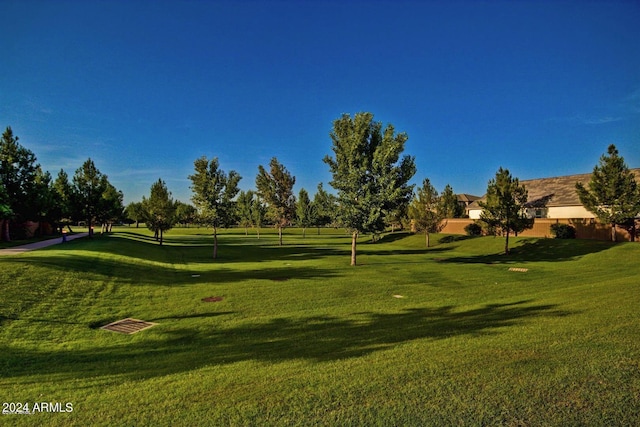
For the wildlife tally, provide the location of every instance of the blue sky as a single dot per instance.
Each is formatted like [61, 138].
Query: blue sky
[146, 87]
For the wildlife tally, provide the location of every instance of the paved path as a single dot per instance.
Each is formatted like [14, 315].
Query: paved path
[39, 245]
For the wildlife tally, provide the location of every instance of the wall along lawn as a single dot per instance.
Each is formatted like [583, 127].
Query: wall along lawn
[411, 336]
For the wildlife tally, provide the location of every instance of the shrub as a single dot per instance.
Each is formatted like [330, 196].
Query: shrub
[563, 231]
[473, 229]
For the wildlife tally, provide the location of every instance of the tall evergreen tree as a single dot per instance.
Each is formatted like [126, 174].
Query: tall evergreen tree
[613, 194]
[275, 187]
[504, 209]
[88, 187]
[18, 176]
[63, 203]
[368, 174]
[426, 210]
[449, 203]
[160, 209]
[213, 193]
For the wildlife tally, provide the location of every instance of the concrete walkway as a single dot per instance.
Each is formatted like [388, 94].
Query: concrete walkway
[39, 245]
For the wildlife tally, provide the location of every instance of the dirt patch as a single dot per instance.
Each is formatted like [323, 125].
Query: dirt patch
[212, 299]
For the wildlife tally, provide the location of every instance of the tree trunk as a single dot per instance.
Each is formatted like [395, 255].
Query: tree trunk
[613, 232]
[506, 244]
[6, 236]
[354, 240]
[160, 237]
[304, 232]
[215, 243]
[426, 238]
[258, 231]
[280, 235]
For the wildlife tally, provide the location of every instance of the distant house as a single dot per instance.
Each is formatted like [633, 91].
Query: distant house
[464, 200]
[555, 198]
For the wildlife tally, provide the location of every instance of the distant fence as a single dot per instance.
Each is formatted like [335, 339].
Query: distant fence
[586, 228]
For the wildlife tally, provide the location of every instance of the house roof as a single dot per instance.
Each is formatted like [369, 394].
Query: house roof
[467, 198]
[557, 191]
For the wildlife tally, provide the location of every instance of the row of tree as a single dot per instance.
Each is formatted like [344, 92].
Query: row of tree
[369, 174]
[27, 193]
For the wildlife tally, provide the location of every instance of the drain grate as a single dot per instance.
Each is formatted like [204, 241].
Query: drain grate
[128, 326]
[521, 270]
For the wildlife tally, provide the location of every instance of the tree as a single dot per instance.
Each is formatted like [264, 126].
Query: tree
[504, 209]
[368, 174]
[258, 213]
[160, 208]
[244, 204]
[449, 203]
[276, 189]
[305, 211]
[18, 176]
[62, 196]
[136, 212]
[613, 194]
[5, 212]
[185, 213]
[213, 193]
[426, 210]
[88, 187]
[325, 206]
[110, 207]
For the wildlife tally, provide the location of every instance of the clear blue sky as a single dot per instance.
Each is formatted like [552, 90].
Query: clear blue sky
[146, 87]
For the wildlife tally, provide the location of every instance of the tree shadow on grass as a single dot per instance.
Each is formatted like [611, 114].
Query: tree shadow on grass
[169, 348]
[538, 250]
[133, 272]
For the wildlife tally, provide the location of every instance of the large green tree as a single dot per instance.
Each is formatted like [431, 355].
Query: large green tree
[505, 207]
[613, 194]
[88, 187]
[63, 200]
[213, 194]
[136, 212]
[19, 177]
[449, 203]
[161, 210]
[368, 174]
[275, 187]
[426, 210]
[110, 207]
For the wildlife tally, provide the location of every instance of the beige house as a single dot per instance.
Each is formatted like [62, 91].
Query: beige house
[554, 198]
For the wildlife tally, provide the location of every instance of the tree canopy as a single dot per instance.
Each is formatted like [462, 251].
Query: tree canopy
[161, 210]
[426, 210]
[504, 209]
[613, 194]
[368, 174]
[275, 187]
[213, 193]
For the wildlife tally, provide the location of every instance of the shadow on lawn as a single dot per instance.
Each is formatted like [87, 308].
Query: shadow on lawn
[315, 338]
[534, 250]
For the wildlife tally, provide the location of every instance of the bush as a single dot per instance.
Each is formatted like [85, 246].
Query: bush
[563, 231]
[473, 229]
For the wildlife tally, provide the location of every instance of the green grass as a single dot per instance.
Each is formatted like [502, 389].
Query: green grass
[302, 338]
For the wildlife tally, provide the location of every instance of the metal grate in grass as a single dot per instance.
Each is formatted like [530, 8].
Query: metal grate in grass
[521, 270]
[128, 326]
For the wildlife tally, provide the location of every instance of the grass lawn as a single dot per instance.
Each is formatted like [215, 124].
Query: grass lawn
[411, 336]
